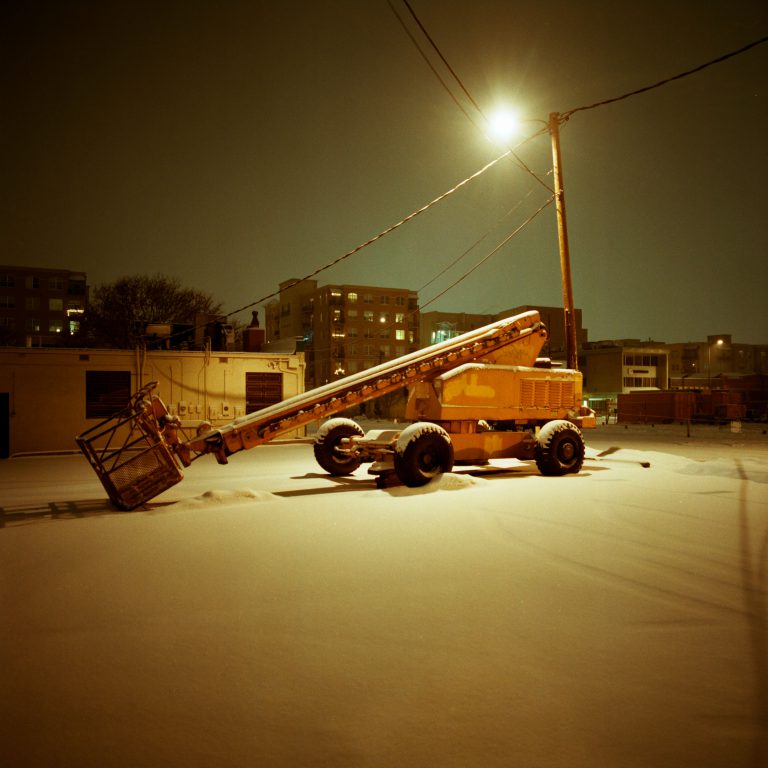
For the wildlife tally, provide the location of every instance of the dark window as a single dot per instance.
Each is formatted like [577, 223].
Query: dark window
[262, 389]
[106, 392]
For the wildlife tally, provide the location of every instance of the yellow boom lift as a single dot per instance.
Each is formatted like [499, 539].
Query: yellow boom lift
[479, 396]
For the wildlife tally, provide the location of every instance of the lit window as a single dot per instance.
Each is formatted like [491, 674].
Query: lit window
[443, 334]
[56, 326]
[384, 317]
[368, 316]
[352, 297]
[400, 334]
[399, 317]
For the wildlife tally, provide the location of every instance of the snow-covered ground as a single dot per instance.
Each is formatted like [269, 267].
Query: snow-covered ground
[265, 614]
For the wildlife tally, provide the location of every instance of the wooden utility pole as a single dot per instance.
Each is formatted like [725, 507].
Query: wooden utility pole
[571, 345]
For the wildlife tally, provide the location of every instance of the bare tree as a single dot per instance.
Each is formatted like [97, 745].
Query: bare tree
[119, 312]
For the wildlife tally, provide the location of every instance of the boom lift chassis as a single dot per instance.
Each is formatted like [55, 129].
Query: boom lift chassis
[476, 397]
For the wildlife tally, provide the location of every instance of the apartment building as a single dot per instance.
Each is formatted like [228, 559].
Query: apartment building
[40, 307]
[343, 328]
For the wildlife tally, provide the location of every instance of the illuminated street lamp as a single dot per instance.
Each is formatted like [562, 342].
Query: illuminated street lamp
[718, 343]
[503, 123]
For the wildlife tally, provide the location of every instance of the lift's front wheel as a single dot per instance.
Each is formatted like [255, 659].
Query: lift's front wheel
[331, 454]
[560, 448]
[423, 451]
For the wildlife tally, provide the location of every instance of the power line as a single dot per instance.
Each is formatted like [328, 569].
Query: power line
[431, 66]
[373, 239]
[566, 115]
[485, 258]
[477, 265]
[444, 60]
[477, 242]
[437, 50]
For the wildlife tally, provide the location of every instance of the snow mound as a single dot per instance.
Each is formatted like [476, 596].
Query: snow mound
[450, 481]
[221, 498]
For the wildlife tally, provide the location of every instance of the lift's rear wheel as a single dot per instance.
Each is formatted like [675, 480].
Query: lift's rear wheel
[330, 453]
[559, 448]
[423, 451]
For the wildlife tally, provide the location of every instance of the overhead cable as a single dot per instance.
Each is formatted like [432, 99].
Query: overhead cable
[565, 115]
[431, 66]
[517, 159]
[476, 243]
[488, 255]
[373, 239]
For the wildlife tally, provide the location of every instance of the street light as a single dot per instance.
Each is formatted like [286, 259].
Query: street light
[502, 124]
[718, 343]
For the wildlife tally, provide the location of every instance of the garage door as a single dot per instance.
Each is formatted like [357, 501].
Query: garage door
[262, 389]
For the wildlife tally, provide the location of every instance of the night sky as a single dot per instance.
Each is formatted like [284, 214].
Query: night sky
[238, 144]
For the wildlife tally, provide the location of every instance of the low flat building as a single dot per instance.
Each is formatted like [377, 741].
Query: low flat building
[48, 396]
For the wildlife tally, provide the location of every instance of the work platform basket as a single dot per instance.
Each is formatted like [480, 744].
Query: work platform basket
[129, 454]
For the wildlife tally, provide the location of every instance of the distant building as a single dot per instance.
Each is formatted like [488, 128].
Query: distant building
[40, 307]
[696, 363]
[622, 366]
[625, 366]
[438, 326]
[343, 328]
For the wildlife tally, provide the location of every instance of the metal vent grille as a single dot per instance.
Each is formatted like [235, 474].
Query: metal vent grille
[547, 393]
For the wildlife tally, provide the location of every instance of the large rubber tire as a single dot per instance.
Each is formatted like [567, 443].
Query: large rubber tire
[326, 446]
[559, 448]
[423, 451]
